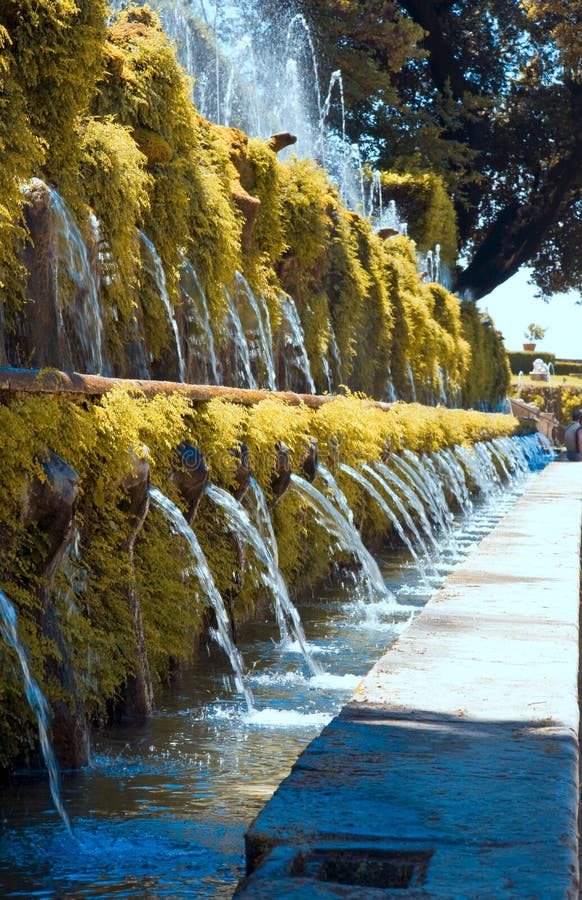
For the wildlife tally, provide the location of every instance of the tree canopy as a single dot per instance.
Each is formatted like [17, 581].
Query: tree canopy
[486, 94]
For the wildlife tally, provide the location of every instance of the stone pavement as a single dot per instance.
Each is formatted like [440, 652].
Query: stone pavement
[453, 771]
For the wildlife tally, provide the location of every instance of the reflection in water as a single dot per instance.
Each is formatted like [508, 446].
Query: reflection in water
[162, 810]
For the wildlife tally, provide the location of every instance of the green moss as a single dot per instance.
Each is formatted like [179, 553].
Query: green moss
[20, 152]
[91, 592]
[56, 74]
[422, 201]
[488, 378]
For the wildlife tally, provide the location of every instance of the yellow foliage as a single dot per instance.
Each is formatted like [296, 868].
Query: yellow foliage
[99, 439]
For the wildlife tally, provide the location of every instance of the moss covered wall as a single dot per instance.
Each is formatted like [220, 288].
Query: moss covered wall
[91, 589]
[126, 145]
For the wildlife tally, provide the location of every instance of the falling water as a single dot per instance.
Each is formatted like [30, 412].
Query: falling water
[202, 340]
[414, 500]
[480, 470]
[254, 316]
[423, 475]
[222, 633]
[156, 270]
[242, 371]
[285, 611]
[345, 533]
[337, 495]
[390, 514]
[36, 700]
[263, 520]
[87, 310]
[297, 369]
[454, 477]
[410, 376]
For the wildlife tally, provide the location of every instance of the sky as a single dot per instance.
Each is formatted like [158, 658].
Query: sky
[513, 305]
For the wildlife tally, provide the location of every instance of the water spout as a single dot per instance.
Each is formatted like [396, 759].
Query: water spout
[36, 701]
[345, 534]
[222, 633]
[390, 514]
[286, 614]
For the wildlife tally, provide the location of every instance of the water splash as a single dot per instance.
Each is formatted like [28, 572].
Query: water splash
[36, 701]
[222, 633]
[287, 616]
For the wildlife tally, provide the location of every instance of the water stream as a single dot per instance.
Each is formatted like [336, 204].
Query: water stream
[156, 271]
[222, 632]
[287, 616]
[36, 701]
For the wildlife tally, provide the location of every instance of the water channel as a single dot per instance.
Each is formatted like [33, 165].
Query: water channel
[163, 807]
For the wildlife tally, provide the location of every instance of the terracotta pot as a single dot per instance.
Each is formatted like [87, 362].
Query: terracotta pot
[531, 347]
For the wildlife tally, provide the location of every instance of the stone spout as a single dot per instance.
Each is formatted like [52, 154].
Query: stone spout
[243, 472]
[139, 693]
[190, 476]
[310, 462]
[282, 139]
[50, 507]
[282, 474]
[387, 232]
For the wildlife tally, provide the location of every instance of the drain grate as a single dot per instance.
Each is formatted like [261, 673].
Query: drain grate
[364, 867]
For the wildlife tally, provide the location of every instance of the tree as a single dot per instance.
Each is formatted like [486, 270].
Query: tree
[488, 95]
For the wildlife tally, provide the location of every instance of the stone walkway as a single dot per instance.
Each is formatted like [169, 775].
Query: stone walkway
[453, 771]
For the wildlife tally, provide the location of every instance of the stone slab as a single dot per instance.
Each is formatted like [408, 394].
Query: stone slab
[453, 770]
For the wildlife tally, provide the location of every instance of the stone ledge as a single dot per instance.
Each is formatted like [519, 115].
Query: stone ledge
[455, 765]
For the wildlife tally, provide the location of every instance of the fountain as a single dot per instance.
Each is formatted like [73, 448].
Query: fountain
[391, 516]
[231, 759]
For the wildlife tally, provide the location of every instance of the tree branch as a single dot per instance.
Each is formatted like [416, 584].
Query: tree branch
[519, 230]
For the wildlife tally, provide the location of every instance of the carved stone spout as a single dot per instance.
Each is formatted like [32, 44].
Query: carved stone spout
[282, 475]
[243, 472]
[310, 462]
[387, 232]
[139, 693]
[50, 507]
[190, 476]
[282, 139]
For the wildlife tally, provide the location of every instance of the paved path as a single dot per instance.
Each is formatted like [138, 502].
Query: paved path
[453, 771]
